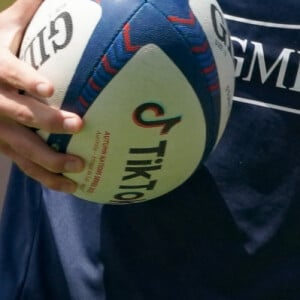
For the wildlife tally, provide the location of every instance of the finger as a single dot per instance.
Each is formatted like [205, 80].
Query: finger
[33, 150]
[32, 113]
[50, 180]
[22, 76]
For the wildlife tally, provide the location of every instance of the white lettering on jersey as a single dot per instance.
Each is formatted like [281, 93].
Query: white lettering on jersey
[265, 68]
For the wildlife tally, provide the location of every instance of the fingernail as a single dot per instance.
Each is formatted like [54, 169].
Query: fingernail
[43, 89]
[70, 124]
[73, 166]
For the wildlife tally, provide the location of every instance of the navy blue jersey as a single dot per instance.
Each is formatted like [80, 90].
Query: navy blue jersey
[256, 166]
[231, 232]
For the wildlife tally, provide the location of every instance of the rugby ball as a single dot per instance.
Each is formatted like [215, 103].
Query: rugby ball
[153, 81]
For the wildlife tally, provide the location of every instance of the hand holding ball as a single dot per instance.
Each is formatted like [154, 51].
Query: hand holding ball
[153, 81]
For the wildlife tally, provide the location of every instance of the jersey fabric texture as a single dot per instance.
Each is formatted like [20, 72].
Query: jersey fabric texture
[231, 232]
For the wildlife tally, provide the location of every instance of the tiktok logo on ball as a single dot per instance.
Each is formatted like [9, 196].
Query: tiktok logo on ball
[49, 40]
[165, 124]
[140, 172]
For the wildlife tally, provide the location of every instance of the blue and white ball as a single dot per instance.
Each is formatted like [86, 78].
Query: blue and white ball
[153, 81]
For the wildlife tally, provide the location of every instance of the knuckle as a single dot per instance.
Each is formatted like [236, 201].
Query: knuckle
[48, 119]
[54, 167]
[52, 120]
[13, 72]
[24, 116]
[52, 161]
[23, 151]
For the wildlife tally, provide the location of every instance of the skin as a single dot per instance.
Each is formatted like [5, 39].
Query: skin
[20, 112]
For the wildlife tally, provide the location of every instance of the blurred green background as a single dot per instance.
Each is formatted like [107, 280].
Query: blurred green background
[4, 3]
